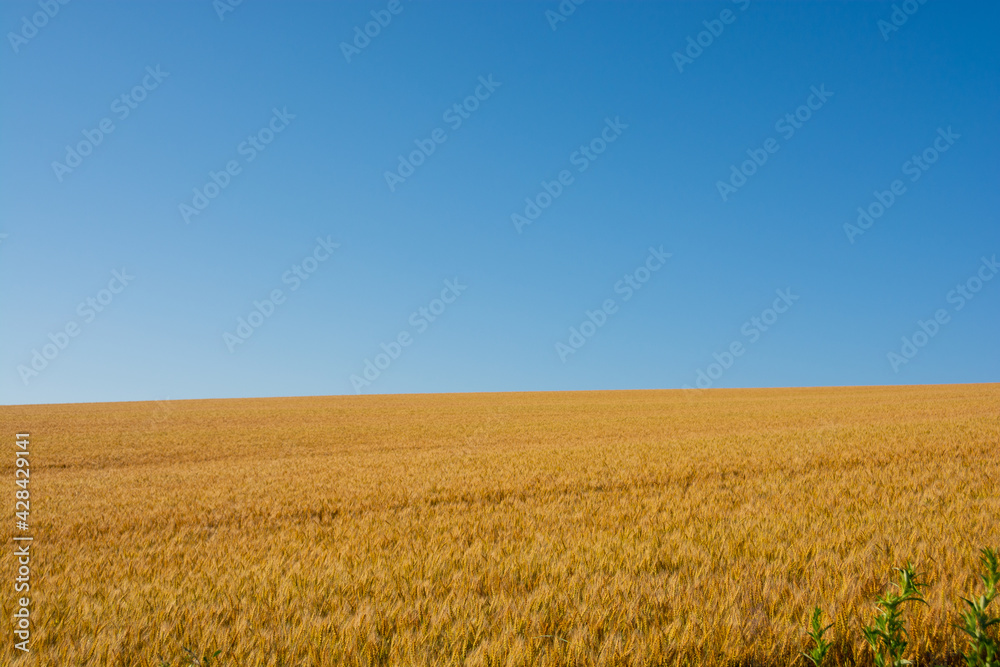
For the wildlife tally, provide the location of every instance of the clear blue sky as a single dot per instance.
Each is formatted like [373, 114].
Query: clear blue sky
[675, 132]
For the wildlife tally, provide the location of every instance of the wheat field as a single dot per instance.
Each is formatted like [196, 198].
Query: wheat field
[583, 528]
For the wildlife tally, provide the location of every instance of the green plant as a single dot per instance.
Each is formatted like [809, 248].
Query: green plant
[985, 650]
[887, 634]
[818, 652]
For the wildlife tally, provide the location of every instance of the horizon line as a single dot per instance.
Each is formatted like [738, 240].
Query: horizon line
[530, 391]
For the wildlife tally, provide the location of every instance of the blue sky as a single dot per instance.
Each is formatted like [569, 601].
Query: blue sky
[640, 126]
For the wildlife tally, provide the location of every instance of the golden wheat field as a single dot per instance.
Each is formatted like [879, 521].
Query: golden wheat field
[584, 528]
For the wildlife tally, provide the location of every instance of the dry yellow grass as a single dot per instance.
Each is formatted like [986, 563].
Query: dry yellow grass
[595, 528]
